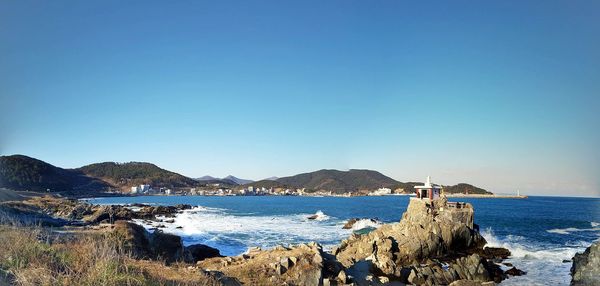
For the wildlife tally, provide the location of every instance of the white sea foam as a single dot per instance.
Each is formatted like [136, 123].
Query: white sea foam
[595, 224]
[542, 262]
[365, 223]
[232, 234]
[570, 230]
[320, 216]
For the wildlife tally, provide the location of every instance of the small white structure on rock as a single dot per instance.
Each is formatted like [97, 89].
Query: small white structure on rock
[428, 190]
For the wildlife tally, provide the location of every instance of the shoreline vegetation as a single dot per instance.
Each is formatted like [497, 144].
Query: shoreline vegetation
[71, 242]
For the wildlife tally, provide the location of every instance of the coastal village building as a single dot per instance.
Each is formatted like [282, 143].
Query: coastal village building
[428, 190]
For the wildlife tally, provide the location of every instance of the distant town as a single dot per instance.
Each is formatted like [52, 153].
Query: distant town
[214, 190]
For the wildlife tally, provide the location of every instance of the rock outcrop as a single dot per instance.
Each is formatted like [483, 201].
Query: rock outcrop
[586, 267]
[304, 264]
[198, 252]
[473, 268]
[19, 213]
[427, 230]
[142, 244]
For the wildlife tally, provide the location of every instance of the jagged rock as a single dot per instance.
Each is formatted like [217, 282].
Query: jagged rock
[515, 272]
[494, 253]
[20, 213]
[350, 223]
[424, 231]
[342, 277]
[586, 266]
[142, 244]
[304, 264]
[471, 267]
[198, 252]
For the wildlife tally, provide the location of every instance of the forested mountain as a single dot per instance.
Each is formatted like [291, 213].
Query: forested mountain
[339, 181]
[22, 173]
[136, 173]
[19, 172]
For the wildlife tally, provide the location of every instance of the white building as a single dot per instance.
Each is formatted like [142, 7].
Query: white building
[144, 188]
[428, 190]
[381, 192]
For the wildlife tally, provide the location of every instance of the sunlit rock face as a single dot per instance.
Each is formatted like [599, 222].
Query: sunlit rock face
[428, 229]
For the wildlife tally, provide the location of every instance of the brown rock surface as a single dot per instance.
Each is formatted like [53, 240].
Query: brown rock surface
[425, 231]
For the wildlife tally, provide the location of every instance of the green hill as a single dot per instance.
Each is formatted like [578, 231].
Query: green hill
[136, 173]
[463, 188]
[22, 173]
[339, 181]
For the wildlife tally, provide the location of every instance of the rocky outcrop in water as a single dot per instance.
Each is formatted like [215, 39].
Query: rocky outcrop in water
[586, 267]
[85, 213]
[427, 230]
[433, 244]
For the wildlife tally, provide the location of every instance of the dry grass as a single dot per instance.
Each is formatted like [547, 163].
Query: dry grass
[30, 259]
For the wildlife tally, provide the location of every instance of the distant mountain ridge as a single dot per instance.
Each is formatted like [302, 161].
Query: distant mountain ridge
[238, 180]
[339, 181]
[19, 172]
[136, 173]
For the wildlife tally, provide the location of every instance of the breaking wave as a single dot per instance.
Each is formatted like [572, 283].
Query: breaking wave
[319, 216]
[547, 263]
[365, 223]
[569, 230]
[233, 234]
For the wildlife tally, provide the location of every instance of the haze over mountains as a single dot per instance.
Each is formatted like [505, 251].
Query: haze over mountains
[229, 179]
[19, 172]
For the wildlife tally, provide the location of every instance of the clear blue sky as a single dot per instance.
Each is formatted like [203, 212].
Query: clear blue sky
[502, 94]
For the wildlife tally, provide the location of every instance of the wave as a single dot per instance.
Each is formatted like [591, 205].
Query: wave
[365, 223]
[233, 233]
[547, 263]
[569, 230]
[319, 216]
[519, 248]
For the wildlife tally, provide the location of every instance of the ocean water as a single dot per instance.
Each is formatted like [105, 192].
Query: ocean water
[540, 232]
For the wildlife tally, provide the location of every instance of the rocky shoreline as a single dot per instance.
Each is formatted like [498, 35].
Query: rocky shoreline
[435, 243]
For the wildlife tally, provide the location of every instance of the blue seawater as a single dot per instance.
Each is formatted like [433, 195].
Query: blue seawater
[541, 232]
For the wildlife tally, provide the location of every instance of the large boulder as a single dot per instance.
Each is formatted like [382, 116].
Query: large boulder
[586, 267]
[198, 252]
[110, 214]
[141, 244]
[133, 239]
[167, 247]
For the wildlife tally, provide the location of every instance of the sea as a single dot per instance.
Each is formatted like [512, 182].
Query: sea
[542, 233]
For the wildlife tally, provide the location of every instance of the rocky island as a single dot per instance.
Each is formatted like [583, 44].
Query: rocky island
[435, 243]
